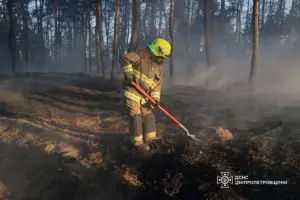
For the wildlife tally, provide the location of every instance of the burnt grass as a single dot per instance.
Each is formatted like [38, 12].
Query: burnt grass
[176, 167]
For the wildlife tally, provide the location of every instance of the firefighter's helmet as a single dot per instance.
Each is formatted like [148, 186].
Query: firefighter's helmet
[160, 47]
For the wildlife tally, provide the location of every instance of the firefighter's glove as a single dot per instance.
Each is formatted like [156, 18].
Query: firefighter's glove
[157, 103]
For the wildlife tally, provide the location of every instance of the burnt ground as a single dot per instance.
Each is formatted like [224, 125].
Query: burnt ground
[63, 137]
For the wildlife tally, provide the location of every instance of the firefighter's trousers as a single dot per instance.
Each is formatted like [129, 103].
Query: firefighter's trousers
[142, 125]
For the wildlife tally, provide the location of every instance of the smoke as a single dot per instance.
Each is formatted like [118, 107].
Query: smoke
[225, 86]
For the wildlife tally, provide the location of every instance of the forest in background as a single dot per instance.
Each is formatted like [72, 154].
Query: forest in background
[89, 35]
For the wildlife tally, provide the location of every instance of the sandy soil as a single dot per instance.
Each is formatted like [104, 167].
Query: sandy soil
[63, 137]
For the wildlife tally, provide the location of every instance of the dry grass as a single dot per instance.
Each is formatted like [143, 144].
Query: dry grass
[96, 159]
[130, 177]
[88, 123]
[224, 134]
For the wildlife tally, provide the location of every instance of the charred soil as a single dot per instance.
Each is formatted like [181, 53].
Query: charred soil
[63, 136]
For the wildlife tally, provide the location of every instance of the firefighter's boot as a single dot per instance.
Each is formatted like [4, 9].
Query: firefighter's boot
[149, 127]
[136, 131]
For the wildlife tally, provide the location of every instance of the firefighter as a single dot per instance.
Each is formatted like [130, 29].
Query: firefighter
[145, 68]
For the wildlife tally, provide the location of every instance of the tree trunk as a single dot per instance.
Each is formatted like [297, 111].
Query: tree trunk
[192, 15]
[100, 33]
[223, 8]
[41, 30]
[145, 31]
[12, 36]
[263, 14]
[247, 24]
[37, 15]
[188, 28]
[24, 10]
[107, 24]
[270, 8]
[55, 33]
[51, 41]
[127, 29]
[97, 50]
[136, 24]
[222, 23]
[198, 45]
[41, 19]
[282, 13]
[3, 9]
[85, 21]
[83, 41]
[166, 20]
[255, 26]
[160, 17]
[172, 37]
[116, 41]
[298, 20]
[59, 36]
[88, 12]
[299, 11]
[152, 30]
[238, 19]
[123, 36]
[75, 28]
[70, 39]
[126, 25]
[47, 39]
[223, 15]
[207, 35]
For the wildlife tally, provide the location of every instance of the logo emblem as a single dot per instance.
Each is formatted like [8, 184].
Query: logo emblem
[224, 179]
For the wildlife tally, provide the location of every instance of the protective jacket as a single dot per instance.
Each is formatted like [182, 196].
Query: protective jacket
[141, 68]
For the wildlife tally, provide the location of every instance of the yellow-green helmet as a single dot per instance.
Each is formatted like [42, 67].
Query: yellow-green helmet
[160, 47]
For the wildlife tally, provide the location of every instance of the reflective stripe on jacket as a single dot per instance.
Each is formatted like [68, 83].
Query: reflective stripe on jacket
[139, 67]
[135, 97]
